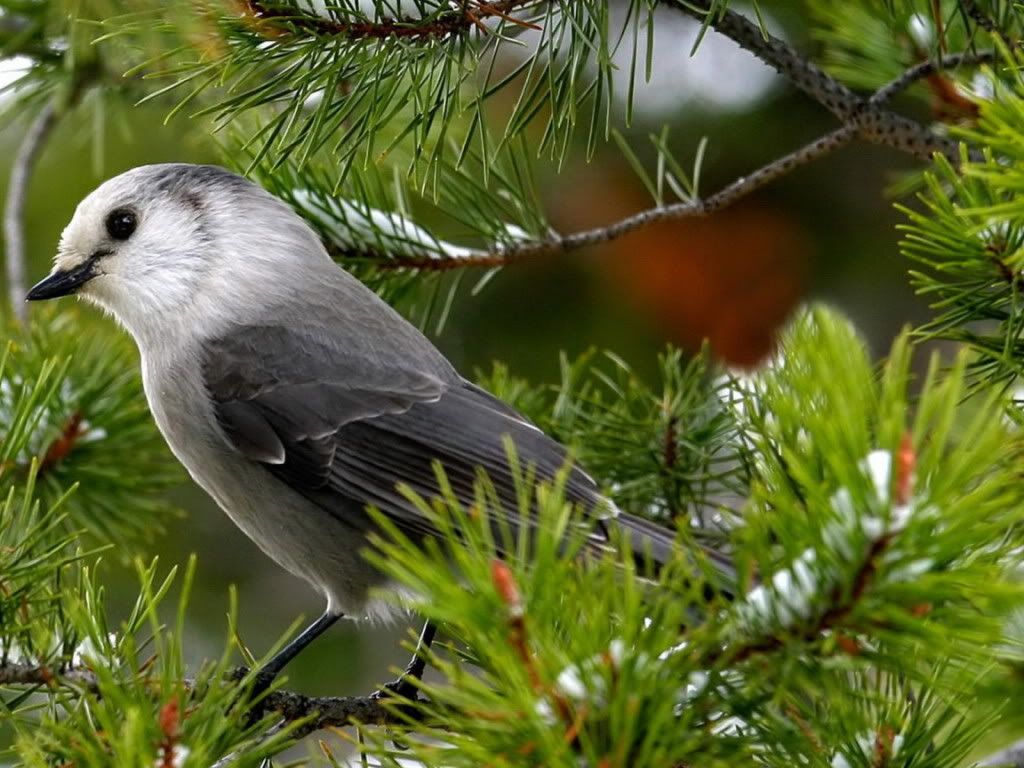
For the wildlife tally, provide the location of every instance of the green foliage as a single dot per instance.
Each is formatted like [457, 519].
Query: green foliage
[818, 421]
[666, 452]
[370, 222]
[119, 692]
[883, 531]
[874, 518]
[366, 81]
[72, 411]
[870, 42]
[884, 527]
[137, 710]
[967, 237]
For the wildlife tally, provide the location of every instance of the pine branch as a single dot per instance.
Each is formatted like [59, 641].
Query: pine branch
[873, 124]
[323, 711]
[12, 673]
[840, 100]
[831, 619]
[926, 69]
[14, 210]
[870, 123]
[691, 209]
[447, 23]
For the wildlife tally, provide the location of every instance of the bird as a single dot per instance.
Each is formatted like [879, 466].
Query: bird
[292, 393]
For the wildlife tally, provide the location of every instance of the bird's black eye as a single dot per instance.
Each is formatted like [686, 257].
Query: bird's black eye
[120, 224]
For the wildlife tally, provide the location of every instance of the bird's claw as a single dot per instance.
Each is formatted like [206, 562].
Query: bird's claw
[405, 693]
[255, 699]
[402, 688]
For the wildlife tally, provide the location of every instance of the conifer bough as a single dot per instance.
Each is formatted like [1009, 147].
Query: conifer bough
[884, 517]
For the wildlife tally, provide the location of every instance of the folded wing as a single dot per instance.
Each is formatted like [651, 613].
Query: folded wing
[333, 425]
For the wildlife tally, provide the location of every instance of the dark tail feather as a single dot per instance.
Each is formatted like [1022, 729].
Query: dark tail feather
[654, 544]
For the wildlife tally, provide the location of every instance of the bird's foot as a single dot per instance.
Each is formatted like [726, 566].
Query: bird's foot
[406, 693]
[402, 688]
[405, 686]
[254, 700]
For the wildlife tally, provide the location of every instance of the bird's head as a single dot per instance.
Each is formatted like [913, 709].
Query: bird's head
[158, 243]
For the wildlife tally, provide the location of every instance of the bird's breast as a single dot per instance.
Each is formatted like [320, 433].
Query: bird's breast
[321, 545]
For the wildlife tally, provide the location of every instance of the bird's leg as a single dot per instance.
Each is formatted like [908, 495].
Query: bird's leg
[273, 667]
[404, 686]
[266, 674]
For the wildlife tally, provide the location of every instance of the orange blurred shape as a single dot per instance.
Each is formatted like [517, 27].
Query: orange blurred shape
[732, 278]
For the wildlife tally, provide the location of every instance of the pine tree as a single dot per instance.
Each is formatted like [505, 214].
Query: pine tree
[874, 517]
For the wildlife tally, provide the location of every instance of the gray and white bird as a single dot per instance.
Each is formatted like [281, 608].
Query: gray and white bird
[293, 394]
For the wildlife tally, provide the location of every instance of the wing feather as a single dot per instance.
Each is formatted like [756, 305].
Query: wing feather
[336, 426]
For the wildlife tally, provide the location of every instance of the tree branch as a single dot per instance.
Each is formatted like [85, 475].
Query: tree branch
[18, 673]
[467, 15]
[926, 69]
[841, 608]
[869, 122]
[14, 210]
[330, 711]
[873, 124]
[693, 209]
[327, 711]
[840, 100]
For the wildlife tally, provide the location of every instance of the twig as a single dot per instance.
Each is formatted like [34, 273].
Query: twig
[332, 711]
[925, 69]
[871, 123]
[326, 711]
[690, 209]
[18, 673]
[840, 100]
[843, 603]
[14, 210]
[862, 117]
[830, 619]
[441, 25]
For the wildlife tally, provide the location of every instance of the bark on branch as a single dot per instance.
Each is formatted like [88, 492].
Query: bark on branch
[861, 117]
[468, 14]
[728, 195]
[873, 123]
[326, 711]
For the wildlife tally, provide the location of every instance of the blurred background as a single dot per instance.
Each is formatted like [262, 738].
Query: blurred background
[825, 232]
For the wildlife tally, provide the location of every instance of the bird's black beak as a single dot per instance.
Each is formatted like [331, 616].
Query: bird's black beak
[63, 283]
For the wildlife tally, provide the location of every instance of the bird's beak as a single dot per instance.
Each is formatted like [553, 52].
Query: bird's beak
[63, 282]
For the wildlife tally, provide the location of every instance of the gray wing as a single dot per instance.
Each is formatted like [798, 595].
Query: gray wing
[336, 427]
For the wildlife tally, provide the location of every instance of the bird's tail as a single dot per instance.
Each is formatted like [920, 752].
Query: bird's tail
[655, 545]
